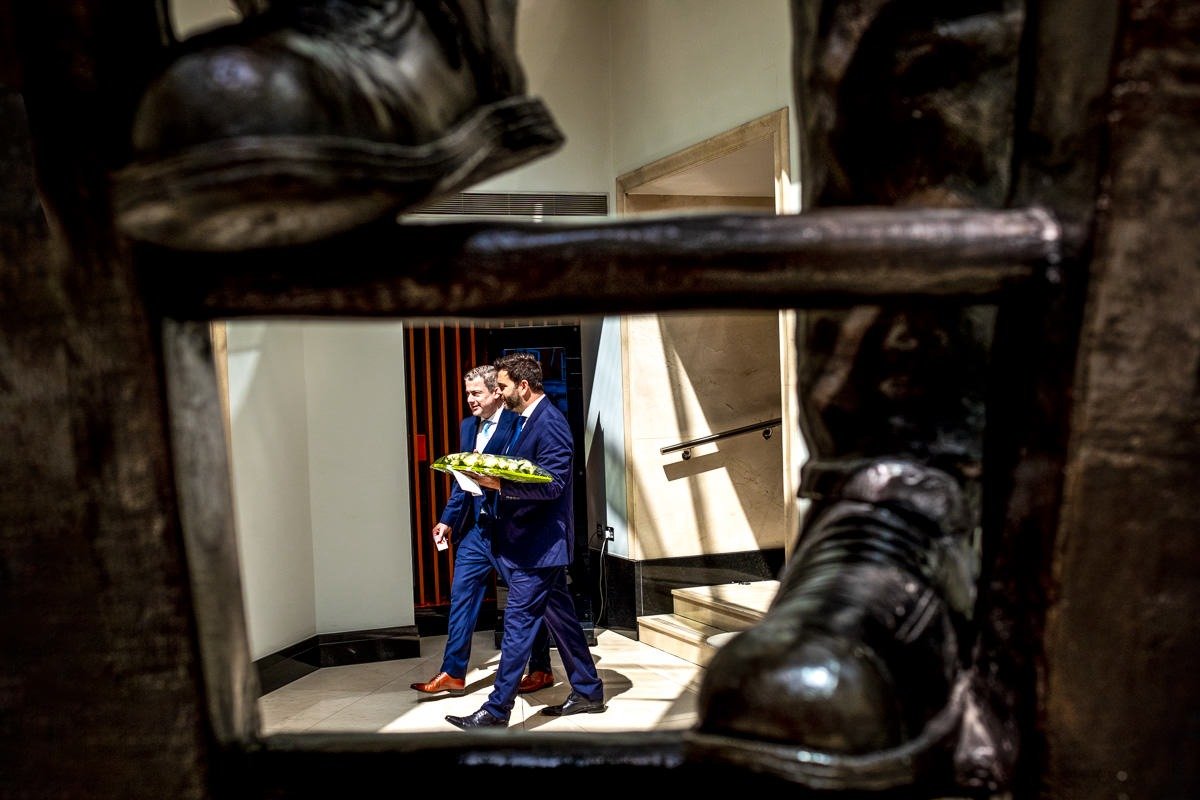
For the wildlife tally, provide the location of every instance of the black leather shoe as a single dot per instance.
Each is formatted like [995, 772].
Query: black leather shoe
[857, 676]
[480, 719]
[575, 704]
[318, 116]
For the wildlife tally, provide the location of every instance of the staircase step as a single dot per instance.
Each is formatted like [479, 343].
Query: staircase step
[725, 606]
[678, 636]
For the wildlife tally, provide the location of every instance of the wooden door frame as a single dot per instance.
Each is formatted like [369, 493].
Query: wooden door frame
[774, 126]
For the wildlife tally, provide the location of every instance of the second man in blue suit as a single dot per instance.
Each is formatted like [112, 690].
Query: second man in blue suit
[489, 429]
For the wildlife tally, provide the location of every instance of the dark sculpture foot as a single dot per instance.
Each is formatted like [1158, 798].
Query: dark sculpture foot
[321, 115]
[856, 678]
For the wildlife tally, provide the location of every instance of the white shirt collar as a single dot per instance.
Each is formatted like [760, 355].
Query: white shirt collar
[532, 405]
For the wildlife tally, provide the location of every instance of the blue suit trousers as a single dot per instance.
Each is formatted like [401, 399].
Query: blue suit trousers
[535, 595]
[473, 565]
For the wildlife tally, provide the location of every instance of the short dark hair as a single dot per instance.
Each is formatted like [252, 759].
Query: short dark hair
[522, 367]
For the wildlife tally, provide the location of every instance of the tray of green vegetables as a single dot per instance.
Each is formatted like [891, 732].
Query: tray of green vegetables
[514, 469]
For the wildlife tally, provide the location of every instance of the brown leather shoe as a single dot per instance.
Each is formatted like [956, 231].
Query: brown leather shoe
[441, 683]
[535, 681]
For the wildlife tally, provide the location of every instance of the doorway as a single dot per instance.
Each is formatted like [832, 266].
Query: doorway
[438, 355]
[715, 511]
[558, 349]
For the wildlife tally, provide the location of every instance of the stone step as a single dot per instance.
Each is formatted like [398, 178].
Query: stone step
[705, 617]
[679, 636]
[726, 606]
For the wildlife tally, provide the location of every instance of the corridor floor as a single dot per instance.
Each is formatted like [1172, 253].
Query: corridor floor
[645, 689]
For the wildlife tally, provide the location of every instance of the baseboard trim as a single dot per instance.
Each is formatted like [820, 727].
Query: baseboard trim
[335, 650]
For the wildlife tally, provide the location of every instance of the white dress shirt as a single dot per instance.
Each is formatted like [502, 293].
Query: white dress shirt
[486, 429]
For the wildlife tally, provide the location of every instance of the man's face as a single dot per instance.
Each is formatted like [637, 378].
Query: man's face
[482, 402]
[511, 392]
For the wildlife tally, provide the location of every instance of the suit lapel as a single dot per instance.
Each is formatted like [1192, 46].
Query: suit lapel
[466, 433]
[503, 433]
[529, 428]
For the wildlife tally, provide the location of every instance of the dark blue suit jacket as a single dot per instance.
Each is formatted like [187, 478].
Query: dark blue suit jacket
[462, 509]
[536, 522]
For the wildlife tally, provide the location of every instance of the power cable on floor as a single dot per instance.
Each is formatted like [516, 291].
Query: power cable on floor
[603, 583]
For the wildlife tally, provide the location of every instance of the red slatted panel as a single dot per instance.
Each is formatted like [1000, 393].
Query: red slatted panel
[438, 356]
[415, 458]
[450, 420]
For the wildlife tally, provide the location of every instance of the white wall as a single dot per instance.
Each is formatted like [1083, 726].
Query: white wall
[685, 70]
[269, 416]
[358, 475]
[321, 478]
[604, 428]
[564, 47]
[694, 374]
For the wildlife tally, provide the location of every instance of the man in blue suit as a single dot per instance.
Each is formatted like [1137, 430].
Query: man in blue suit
[488, 430]
[532, 542]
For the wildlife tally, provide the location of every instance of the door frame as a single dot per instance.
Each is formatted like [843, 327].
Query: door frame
[775, 127]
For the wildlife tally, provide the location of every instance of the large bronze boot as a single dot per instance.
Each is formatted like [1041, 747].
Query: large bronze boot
[315, 116]
[865, 672]
[855, 678]
[861, 674]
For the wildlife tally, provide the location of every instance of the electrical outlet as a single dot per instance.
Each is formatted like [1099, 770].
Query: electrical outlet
[608, 533]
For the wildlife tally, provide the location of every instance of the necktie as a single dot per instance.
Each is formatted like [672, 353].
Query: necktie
[512, 443]
[482, 437]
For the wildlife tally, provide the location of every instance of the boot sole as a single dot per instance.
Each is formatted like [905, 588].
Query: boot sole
[929, 753]
[259, 191]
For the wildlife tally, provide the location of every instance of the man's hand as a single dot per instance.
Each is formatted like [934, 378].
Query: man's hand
[485, 481]
[441, 535]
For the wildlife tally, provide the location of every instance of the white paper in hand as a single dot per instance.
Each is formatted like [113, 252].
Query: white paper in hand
[468, 484]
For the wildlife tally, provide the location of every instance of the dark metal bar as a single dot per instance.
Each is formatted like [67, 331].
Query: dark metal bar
[715, 437]
[202, 473]
[823, 258]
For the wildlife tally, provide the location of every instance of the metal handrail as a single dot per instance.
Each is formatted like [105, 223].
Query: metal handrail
[764, 426]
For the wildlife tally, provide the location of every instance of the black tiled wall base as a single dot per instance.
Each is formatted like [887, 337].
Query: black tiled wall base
[626, 589]
[336, 650]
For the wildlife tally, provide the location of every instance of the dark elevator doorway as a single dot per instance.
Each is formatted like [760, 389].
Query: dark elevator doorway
[439, 354]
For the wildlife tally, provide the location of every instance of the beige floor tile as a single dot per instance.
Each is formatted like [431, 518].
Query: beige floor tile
[371, 713]
[353, 677]
[300, 712]
[645, 689]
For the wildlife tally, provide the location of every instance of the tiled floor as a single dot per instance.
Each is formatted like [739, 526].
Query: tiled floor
[645, 688]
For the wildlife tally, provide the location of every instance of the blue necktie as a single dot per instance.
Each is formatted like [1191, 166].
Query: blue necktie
[482, 438]
[512, 443]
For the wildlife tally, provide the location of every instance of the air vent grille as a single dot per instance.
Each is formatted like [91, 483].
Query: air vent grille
[521, 204]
